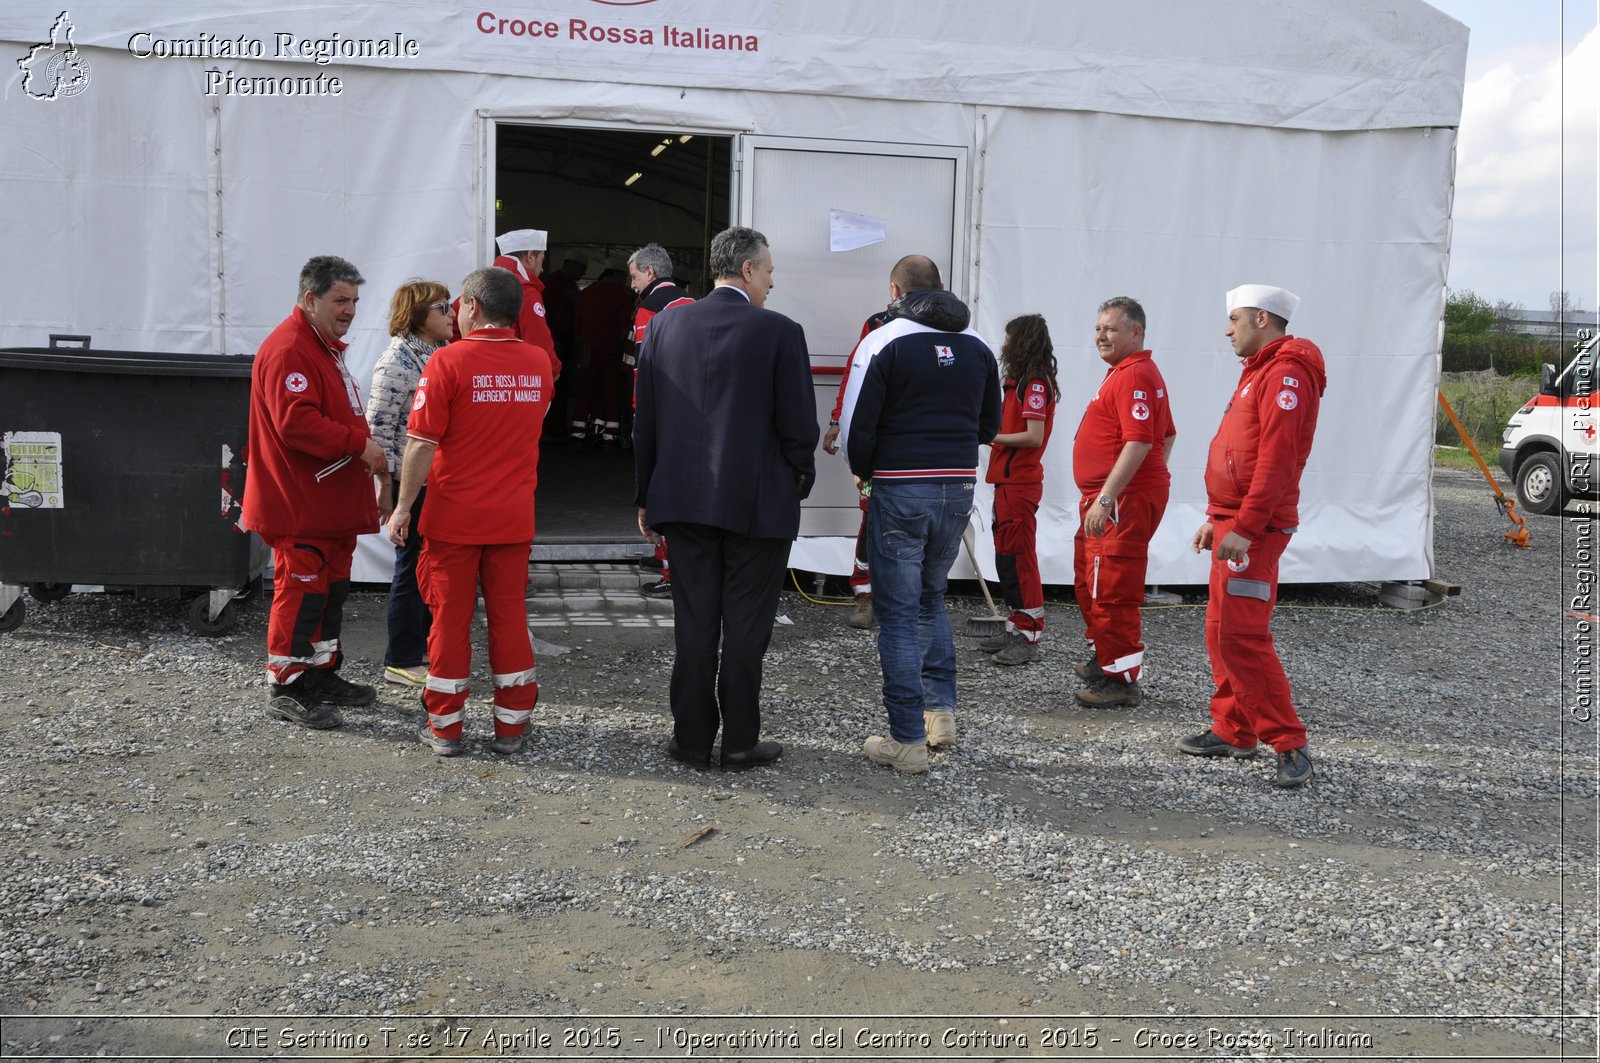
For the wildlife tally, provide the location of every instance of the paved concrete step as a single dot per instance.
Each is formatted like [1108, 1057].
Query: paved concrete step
[584, 576]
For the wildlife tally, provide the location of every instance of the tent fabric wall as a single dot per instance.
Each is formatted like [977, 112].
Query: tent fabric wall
[1356, 64]
[157, 218]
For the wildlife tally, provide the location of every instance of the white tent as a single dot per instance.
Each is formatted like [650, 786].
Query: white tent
[167, 168]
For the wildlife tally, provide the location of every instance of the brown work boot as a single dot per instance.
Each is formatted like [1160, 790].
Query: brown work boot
[1021, 651]
[862, 619]
[911, 759]
[1109, 692]
[1089, 670]
[999, 641]
[941, 727]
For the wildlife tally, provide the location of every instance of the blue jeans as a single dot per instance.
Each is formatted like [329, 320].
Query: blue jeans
[913, 535]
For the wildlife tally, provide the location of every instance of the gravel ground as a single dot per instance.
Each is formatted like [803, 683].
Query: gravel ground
[1063, 877]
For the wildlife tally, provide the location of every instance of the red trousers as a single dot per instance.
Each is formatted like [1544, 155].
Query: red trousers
[1108, 577]
[1252, 700]
[860, 571]
[1016, 556]
[310, 581]
[449, 575]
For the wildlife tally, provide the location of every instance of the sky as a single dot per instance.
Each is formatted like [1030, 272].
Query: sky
[1527, 177]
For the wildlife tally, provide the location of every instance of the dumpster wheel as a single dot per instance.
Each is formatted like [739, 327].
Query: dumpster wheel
[13, 618]
[201, 623]
[49, 592]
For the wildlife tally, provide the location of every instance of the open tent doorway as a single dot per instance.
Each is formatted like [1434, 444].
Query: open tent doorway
[601, 194]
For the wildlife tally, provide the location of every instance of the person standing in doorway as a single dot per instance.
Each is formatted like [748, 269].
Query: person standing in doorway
[650, 276]
[522, 253]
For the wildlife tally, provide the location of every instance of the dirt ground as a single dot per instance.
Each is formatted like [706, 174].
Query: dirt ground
[185, 878]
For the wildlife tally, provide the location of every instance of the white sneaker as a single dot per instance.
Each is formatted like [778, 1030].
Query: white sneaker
[941, 726]
[911, 759]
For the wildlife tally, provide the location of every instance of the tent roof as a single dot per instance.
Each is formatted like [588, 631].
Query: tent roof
[1300, 64]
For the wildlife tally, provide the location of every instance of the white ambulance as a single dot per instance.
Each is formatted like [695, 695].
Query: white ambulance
[1548, 448]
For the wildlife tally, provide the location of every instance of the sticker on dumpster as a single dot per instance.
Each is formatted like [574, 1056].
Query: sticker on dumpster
[232, 506]
[32, 477]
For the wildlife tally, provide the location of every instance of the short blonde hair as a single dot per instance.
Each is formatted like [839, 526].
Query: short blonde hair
[409, 307]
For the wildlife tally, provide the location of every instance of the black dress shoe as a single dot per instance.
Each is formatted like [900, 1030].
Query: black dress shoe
[756, 755]
[694, 760]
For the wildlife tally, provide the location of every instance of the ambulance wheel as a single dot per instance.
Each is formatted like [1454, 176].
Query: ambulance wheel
[49, 592]
[200, 621]
[1539, 486]
[13, 618]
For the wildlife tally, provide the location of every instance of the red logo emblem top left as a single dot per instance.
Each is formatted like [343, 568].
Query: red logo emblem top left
[296, 382]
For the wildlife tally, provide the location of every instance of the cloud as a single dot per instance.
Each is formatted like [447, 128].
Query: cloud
[1526, 120]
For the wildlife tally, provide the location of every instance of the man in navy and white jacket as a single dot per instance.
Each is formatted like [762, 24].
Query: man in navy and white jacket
[929, 395]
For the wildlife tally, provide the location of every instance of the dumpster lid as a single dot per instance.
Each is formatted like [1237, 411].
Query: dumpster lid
[133, 363]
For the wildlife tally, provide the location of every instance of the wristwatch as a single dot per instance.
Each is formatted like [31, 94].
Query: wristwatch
[1106, 502]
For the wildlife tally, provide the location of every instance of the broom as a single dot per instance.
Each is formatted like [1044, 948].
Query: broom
[994, 623]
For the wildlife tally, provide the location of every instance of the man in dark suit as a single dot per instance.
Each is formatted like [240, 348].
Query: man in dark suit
[724, 438]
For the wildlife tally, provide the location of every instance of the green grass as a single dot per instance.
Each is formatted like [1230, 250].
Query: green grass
[1484, 402]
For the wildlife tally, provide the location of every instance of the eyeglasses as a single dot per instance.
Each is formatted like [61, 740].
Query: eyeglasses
[443, 308]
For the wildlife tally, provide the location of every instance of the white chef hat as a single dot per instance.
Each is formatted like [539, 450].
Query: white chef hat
[519, 240]
[1278, 301]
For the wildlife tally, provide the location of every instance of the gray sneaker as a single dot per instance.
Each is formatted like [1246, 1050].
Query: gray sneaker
[1294, 768]
[293, 702]
[1021, 651]
[442, 747]
[509, 744]
[1210, 744]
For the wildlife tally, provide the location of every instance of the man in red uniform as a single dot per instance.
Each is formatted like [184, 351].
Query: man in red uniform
[522, 252]
[310, 492]
[1119, 459]
[912, 273]
[650, 275]
[474, 440]
[1252, 503]
[604, 321]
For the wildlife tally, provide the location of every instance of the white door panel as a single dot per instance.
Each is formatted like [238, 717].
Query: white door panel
[788, 188]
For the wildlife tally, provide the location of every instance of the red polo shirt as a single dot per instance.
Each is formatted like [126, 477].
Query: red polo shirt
[482, 401]
[1130, 406]
[1033, 401]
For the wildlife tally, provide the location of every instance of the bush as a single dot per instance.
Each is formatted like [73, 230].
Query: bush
[1484, 401]
[1508, 355]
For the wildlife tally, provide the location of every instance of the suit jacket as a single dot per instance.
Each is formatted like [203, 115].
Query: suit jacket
[725, 430]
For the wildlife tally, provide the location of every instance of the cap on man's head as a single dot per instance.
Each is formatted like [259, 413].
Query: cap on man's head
[1278, 301]
[519, 240]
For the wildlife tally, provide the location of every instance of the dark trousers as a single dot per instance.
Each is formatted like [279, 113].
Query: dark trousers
[724, 593]
[409, 618]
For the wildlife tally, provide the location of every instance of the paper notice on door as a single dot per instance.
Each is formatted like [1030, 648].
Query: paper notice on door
[32, 477]
[850, 232]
